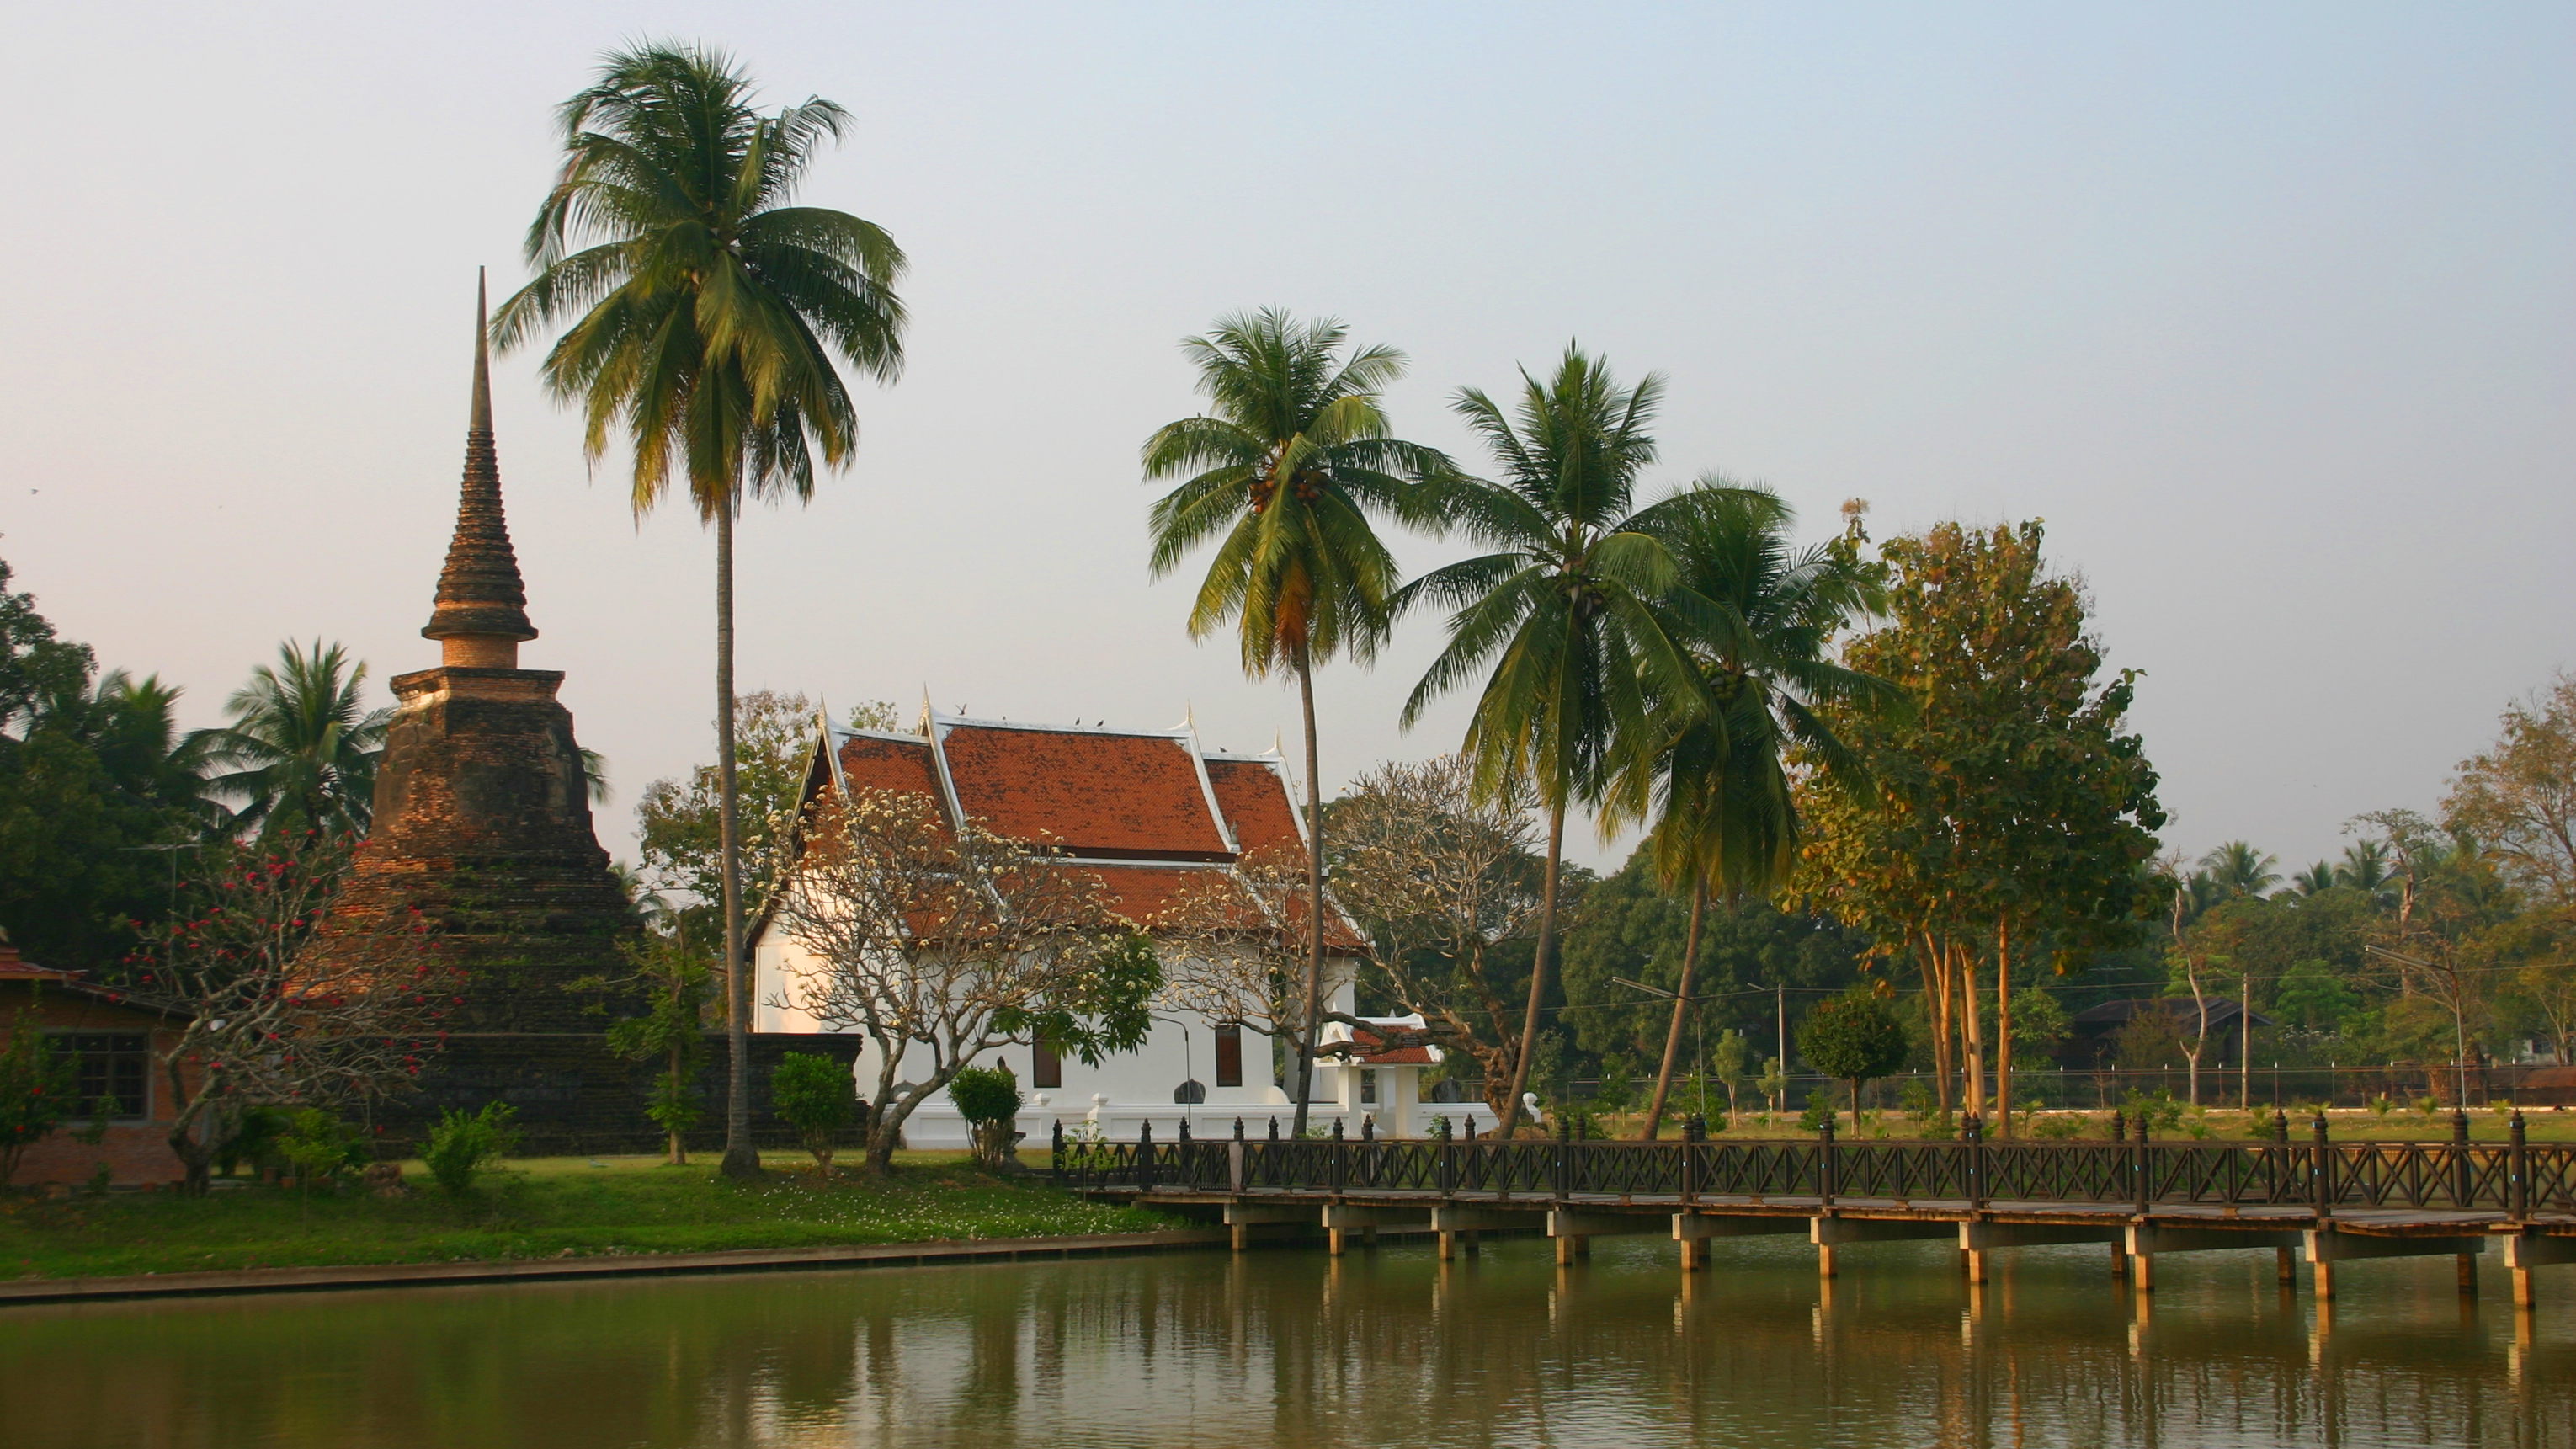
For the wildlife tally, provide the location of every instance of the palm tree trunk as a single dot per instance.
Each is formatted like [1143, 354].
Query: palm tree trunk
[1681, 1008]
[1538, 962]
[1314, 900]
[740, 1159]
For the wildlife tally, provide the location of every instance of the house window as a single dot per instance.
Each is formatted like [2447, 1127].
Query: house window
[1368, 1088]
[1046, 1069]
[111, 1068]
[1229, 1056]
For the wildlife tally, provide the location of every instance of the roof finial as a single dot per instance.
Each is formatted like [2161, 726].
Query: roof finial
[480, 596]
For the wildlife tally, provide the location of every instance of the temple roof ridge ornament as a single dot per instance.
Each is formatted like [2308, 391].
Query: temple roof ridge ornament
[481, 615]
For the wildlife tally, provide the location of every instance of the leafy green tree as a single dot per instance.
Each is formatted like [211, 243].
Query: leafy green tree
[2012, 813]
[989, 1099]
[680, 822]
[1630, 927]
[100, 796]
[2519, 797]
[1856, 1038]
[817, 1096]
[1708, 764]
[1562, 613]
[300, 753]
[706, 311]
[36, 1089]
[1288, 473]
[675, 979]
[2315, 880]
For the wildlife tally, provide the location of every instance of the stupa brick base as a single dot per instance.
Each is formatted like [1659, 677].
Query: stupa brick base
[482, 825]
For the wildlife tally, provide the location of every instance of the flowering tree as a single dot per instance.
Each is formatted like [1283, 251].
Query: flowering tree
[1235, 948]
[941, 943]
[268, 1022]
[1440, 874]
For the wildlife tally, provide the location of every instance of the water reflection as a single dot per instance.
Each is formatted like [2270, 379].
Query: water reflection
[1390, 1347]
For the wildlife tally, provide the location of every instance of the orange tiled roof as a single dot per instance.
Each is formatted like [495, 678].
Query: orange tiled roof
[14, 967]
[1254, 796]
[873, 762]
[1373, 1053]
[1092, 793]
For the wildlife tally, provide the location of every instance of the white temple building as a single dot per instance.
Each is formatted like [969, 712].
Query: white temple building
[1143, 813]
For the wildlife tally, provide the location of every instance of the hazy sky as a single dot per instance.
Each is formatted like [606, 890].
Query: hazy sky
[2269, 311]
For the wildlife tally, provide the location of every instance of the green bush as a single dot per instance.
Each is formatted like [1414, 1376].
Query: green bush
[816, 1096]
[1819, 1112]
[989, 1099]
[254, 1141]
[321, 1147]
[35, 1092]
[2059, 1126]
[465, 1143]
[1855, 1038]
[2160, 1109]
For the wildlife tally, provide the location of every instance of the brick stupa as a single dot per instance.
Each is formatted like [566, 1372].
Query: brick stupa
[482, 812]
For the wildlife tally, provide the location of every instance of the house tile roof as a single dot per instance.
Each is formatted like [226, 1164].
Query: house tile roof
[877, 762]
[1374, 1052]
[1093, 793]
[1254, 796]
[1144, 811]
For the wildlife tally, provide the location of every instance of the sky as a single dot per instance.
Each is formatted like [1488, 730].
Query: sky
[2268, 311]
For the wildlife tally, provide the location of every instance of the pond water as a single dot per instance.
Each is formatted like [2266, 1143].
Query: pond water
[1288, 1347]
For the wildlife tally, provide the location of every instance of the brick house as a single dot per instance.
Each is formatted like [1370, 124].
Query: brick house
[114, 1047]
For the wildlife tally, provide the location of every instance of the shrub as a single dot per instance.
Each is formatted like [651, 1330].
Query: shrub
[2058, 1126]
[35, 1092]
[1855, 1038]
[320, 1146]
[465, 1143]
[816, 1096]
[1818, 1113]
[2159, 1108]
[989, 1099]
[254, 1141]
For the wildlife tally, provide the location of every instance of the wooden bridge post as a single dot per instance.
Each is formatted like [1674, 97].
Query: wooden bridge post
[2321, 1184]
[2517, 1188]
[2463, 1176]
[1145, 1157]
[1828, 1179]
[2142, 1176]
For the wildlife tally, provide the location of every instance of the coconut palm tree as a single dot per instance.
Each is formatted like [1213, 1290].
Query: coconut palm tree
[300, 753]
[1289, 470]
[2315, 880]
[706, 315]
[1564, 606]
[2240, 871]
[1708, 764]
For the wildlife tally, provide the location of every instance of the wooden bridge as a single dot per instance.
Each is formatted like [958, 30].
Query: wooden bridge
[2329, 1202]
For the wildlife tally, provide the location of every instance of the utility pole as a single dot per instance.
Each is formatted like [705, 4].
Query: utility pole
[1780, 1004]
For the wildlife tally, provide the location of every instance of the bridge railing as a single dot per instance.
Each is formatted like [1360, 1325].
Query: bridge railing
[2515, 1177]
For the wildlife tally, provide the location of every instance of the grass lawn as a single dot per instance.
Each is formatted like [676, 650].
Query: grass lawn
[540, 1208]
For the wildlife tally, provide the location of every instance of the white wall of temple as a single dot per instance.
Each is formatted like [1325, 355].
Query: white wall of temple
[1124, 1092]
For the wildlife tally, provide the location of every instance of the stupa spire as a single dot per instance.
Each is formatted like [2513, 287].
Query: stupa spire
[481, 610]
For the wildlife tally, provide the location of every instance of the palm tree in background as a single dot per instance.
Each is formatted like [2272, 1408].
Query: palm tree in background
[1289, 470]
[2366, 867]
[1708, 764]
[1564, 605]
[2315, 880]
[706, 315]
[2239, 871]
[300, 753]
